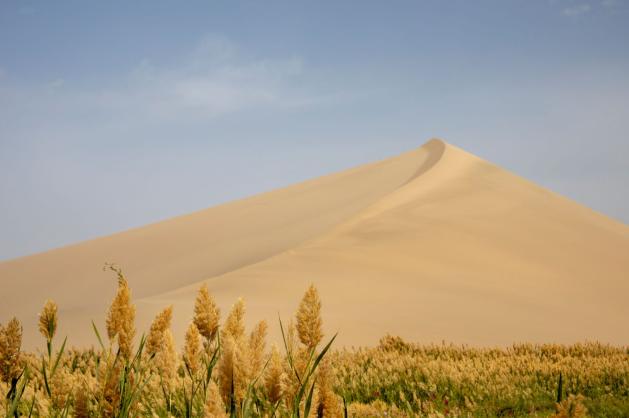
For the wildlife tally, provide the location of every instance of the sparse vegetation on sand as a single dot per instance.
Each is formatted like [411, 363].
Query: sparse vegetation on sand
[223, 370]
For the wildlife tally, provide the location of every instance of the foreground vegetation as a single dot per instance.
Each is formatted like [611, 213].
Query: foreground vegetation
[225, 371]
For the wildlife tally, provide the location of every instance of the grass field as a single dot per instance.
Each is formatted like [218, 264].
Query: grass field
[522, 380]
[223, 370]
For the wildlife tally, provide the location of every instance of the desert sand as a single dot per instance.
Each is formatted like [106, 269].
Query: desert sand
[434, 244]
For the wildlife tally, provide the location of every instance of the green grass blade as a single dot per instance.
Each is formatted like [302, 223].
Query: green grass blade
[100, 340]
[30, 410]
[19, 391]
[275, 407]
[45, 375]
[311, 370]
[560, 388]
[289, 354]
[323, 352]
[309, 401]
[303, 384]
[63, 347]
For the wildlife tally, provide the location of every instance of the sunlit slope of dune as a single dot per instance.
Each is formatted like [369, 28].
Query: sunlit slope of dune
[435, 244]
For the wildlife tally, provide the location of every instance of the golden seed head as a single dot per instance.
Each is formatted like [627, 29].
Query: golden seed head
[235, 322]
[257, 346]
[274, 376]
[192, 349]
[61, 386]
[235, 363]
[309, 319]
[121, 316]
[328, 401]
[161, 323]
[81, 404]
[234, 369]
[10, 345]
[571, 407]
[214, 406]
[206, 314]
[48, 320]
[165, 361]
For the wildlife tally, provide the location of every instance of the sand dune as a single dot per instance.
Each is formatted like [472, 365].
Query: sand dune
[434, 244]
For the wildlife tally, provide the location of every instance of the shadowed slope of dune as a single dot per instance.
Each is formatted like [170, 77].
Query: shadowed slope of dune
[433, 244]
[183, 250]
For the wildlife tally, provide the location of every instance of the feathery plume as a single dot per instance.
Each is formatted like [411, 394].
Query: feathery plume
[571, 407]
[235, 322]
[226, 369]
[206, 314]
[234, 367]
[274, 376]
[10, 345]
[155, 339]
[4, 388]
[48, 320]
[121, 315]
[289, 382]
[192, 348]
[108, 375]
[257, 345]
[234, 370]
[291, 337]
[61, 386]
[309, 319]
[166, 360]
[328, 402]
[81, 407]
[214, 406]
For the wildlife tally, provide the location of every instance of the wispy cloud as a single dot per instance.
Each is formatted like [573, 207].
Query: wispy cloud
[26, 10]
[214, 79]
[573, 8]
[610, 3]
[57, 83]
[576, 10]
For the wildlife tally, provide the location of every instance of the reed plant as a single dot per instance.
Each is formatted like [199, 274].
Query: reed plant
[222, 371]
[407, 379]
[225, 370]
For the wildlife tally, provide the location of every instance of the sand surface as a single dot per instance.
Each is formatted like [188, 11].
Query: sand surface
[435, 244]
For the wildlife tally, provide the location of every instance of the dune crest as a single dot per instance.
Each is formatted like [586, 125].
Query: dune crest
[434, 244]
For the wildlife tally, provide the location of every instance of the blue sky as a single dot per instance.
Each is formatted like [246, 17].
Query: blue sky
[117, 114]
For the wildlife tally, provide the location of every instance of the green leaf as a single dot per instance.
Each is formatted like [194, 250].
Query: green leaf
[43, 370]
[100, 340]
[275, 406]
[63, 346]
[311, 370]
[212, 363]
[309, 401]
[30, 410]
[138, 355]
[19, 391]
[323, 352]
[289, 354]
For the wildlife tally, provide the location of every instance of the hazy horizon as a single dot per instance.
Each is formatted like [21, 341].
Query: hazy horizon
[114, 116]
